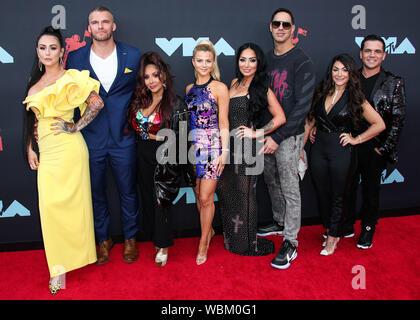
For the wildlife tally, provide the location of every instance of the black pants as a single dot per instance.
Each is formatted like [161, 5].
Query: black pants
[332, 167]
[368, 173]
[156, 220]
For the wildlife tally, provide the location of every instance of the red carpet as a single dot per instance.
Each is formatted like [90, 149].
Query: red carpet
[391, 266]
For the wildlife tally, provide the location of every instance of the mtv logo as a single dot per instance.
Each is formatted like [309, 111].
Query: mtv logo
[190, 195]
[391, 45]
[14, 209]
[5, 57]
[299, 32]
[74, 43]
[395, 176]
[188, 45]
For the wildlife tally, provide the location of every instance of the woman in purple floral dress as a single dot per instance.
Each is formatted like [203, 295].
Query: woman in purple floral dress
[208, 104]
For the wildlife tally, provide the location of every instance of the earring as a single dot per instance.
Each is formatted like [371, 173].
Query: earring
[164, 86]
[40, 65]
[61, 60]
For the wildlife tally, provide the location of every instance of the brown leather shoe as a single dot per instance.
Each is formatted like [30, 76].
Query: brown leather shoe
[130, 251]
[103, 252]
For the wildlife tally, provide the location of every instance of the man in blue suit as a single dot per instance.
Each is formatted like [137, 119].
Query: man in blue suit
[115, 65]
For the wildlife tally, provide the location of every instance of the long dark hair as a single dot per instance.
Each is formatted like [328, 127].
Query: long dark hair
[259, 85]
[355, 93]
[37, 72]
[142, 97]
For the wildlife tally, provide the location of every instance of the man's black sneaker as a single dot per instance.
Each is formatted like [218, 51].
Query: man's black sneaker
[273, 228]
[349, 234]
[286, 255]
[366, 237]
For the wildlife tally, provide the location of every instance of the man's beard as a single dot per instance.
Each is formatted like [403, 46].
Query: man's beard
[105, 37]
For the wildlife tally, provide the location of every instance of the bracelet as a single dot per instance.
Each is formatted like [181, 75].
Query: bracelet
[225, 149]
[360, 139]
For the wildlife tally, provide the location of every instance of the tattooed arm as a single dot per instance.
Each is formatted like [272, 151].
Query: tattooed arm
[94, 105]
[278, 119]
[268, 127]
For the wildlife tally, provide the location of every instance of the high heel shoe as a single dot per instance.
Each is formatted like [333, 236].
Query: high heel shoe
[161, 258]
[325, 235]
[329, 247]
[202, 258]
[55, 286]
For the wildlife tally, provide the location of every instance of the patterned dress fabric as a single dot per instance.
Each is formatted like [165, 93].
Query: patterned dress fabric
[237, 192]
[146, 125]
[204, 124]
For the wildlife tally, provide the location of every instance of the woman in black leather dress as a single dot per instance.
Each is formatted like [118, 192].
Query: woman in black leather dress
[250, 101]
[337, 108]
[154, 106]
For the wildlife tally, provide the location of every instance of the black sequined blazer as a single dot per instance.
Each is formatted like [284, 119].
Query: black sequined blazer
[388, 96]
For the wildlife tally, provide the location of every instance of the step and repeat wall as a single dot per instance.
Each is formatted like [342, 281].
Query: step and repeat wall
[172, 28]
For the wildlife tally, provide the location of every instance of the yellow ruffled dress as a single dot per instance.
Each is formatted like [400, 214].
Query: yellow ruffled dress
[64, 191]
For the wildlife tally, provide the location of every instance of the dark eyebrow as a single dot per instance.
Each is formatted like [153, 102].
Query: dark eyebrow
[104, 20]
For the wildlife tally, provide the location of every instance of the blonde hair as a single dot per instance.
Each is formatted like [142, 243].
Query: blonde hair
[207, 45]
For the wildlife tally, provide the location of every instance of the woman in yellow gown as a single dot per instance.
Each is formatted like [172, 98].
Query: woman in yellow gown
[64, 191]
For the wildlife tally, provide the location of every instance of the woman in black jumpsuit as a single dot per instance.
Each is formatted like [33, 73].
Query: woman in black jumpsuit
[337, 108]
[155, 106]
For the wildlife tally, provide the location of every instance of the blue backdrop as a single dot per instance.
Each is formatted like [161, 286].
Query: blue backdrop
[172, 28]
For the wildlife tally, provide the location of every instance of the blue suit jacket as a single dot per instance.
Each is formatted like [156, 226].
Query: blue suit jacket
[111, 122]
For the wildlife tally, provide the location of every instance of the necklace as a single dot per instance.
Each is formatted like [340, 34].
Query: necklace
[157, 98]
[335, 95]
[243, 86]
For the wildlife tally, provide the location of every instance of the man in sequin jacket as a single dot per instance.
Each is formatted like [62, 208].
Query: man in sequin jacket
[385, 92]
